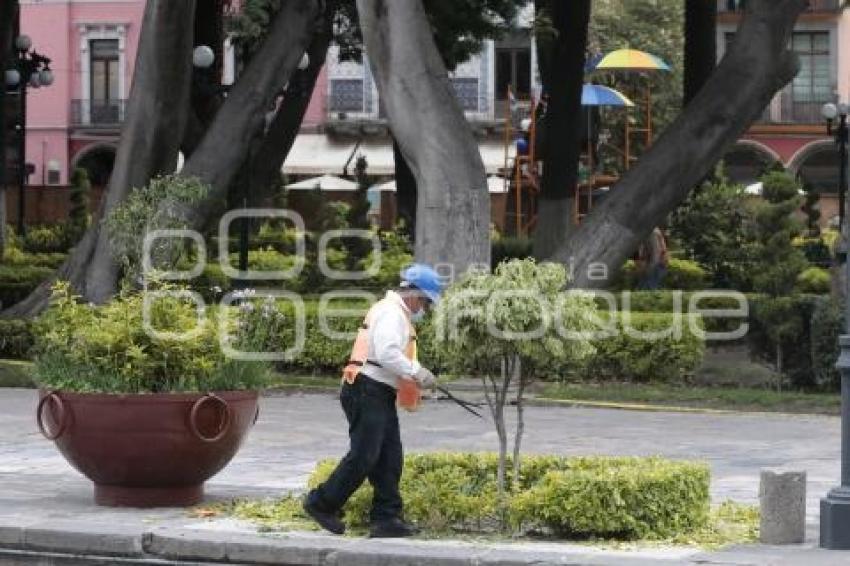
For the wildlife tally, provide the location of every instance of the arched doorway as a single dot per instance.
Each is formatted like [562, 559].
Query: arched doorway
[98, 161]
[817, 167]
[747, 161]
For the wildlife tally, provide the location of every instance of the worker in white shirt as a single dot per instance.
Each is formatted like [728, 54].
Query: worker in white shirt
[382, 372]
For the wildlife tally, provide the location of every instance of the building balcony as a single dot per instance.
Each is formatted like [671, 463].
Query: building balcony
[102, 114]
[786, 113]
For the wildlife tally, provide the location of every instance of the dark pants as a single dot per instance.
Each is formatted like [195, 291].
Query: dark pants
[375, 453]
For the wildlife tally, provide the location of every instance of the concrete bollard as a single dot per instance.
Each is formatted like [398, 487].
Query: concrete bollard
[782, 497]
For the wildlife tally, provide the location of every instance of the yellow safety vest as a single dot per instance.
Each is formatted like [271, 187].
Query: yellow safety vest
[409, 395]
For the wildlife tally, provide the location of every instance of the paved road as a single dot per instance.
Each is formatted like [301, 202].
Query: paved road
[296, 431]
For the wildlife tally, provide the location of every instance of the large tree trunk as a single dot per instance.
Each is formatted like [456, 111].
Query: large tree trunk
[700, 45]
[226, 145]
[758, 65]
[405, 193]
[453, 212]
[8, 14]
[563, 78]
[150, 141]
[286, 124]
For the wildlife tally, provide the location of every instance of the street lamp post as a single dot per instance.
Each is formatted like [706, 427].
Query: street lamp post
[835, 507]
[31, 70]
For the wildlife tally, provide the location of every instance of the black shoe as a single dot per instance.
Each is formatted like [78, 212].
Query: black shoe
[328, 521]
[394, 528]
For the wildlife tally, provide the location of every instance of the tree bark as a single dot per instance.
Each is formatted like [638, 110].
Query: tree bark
[149, 144]
[700, 45]
[758, 65]
[8, 15]
[284, 128]
[563, 73]
[453, 210]
[405, 194]
[227, 142]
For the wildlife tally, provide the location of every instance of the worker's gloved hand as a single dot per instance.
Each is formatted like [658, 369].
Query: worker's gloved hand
[425, 378]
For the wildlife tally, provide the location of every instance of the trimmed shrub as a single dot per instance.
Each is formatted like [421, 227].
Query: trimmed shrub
[682, 274]
[54, 238]
[814, 280]
[16, 338]
[622, 498]
[17, 281]
[626, 355]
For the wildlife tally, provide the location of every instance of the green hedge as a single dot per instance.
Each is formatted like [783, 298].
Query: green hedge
[682, 274]
[16, 339]
[626, 355]
[618, 357]
[623, 498]
[17, 281]
[666, 302]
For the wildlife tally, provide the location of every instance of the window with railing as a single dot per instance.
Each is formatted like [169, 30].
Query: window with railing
[813, 85]
[802, 100]
[347, 95]
[98, 113]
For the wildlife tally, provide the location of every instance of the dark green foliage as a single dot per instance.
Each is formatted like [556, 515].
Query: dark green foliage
[78, 220]
[712, 228]
[18, 281]
[16, 338]
[806, 329]
[827, 324]
[508, 248]
[682, 274]
[460, 26]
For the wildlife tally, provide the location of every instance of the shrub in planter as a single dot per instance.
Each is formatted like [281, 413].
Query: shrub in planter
[109, 374]
[605, 497]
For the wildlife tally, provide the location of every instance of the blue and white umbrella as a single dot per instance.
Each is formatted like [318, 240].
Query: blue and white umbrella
[598, 95]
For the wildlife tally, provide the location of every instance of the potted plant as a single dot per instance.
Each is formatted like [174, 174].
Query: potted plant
[147, 407]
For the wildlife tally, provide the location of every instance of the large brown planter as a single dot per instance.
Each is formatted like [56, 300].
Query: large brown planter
[147, 450]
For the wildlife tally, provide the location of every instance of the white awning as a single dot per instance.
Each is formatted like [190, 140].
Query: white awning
[319, 154]
[324, 183]
[495, 185]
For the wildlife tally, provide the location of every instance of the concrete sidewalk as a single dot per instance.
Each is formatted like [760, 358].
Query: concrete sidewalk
[47, 515]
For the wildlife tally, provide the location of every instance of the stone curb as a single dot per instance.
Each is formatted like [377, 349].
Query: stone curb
[99, 543]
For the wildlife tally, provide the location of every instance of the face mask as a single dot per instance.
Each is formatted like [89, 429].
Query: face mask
[418, 316]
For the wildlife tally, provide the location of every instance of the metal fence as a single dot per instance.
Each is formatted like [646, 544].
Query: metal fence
[98, 113]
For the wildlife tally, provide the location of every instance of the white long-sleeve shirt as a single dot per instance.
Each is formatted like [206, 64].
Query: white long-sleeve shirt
[389, 335]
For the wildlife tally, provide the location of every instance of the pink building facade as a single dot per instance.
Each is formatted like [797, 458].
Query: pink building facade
[76, 121]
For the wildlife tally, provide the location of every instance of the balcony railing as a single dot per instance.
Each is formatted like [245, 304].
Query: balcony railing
[98, 113]
[784, 109]
[814, 5]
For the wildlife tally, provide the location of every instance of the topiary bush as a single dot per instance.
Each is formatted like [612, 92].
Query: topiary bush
[814, 280]
[622, 498]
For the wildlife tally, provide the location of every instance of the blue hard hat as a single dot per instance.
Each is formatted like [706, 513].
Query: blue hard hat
[424, 278]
